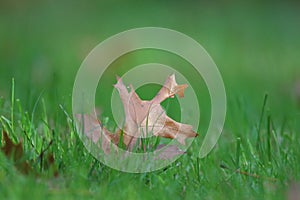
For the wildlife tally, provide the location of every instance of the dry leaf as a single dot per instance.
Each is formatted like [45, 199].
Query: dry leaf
[144, 116]
[142, 119]
[91, 127]
[14, 151]
[167, 152]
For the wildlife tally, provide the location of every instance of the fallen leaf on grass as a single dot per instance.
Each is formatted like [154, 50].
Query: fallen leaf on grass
[142, 119]
[14, 151]
[144, 116]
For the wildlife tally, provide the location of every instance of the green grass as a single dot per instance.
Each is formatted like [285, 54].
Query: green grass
[255, 47]
[259, 163]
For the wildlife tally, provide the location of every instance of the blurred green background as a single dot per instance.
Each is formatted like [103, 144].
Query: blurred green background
[255, 45]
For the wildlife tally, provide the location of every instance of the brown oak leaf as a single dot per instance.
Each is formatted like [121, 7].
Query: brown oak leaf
[142, 119]
[144, 116]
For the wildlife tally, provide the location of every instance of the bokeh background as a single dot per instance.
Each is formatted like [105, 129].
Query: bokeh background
[255, 45]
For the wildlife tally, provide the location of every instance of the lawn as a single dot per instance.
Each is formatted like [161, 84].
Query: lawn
[255, 46]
